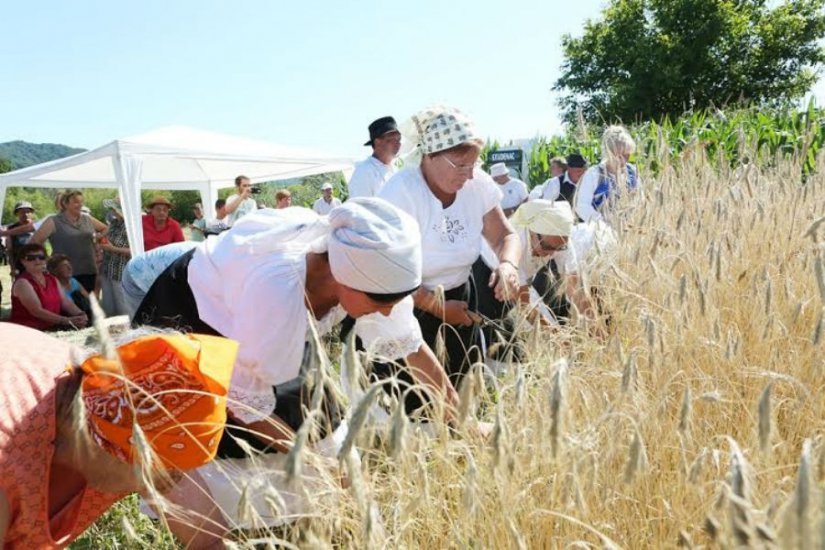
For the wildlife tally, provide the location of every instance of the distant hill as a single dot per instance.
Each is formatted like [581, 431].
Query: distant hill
[23, 153]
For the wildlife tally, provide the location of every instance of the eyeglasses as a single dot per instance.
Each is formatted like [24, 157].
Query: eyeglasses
[547, 247]
[34, 257]
[459, 167]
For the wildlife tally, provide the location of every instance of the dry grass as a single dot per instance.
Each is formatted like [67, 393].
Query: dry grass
[698, 422]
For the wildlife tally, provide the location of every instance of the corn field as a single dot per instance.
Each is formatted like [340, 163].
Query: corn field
[698, 421]
[765, 134]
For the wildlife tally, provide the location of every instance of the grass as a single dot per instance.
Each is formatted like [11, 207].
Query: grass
[697, 422]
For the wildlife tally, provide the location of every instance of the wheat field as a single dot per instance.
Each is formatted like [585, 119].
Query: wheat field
[699, 421]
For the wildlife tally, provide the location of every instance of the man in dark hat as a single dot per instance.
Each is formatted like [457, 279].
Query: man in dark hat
[564, 186]
[371, 174]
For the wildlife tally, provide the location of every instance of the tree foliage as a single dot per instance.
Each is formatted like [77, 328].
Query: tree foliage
[646, 59]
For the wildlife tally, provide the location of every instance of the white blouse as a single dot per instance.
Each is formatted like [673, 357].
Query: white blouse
[450, 237]
[249, 285]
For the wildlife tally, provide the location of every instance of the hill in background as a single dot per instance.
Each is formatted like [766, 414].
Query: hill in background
[23, 153]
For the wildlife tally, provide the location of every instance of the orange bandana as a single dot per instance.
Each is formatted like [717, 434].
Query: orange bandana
[177, 395]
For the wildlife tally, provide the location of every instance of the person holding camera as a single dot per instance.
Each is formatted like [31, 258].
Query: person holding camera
[241, 203]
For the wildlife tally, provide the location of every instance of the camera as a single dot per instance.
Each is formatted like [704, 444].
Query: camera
[255, 190]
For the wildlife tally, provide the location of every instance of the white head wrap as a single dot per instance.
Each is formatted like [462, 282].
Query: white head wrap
[545, 217]
[374, 247]
[435, 129]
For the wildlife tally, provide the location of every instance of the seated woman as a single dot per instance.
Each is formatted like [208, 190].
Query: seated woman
[602, 185]
[457, 207]
[267, 282]
[60, 266]
[36, 299]
[66, 434]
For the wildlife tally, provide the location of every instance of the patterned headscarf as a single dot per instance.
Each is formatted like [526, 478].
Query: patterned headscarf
[435, 129]
[172, 386]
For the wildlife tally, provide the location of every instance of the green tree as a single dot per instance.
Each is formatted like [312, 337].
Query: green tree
[646, 59]
[5, 165]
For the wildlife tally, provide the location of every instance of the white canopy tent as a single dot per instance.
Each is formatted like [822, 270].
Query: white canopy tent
[173, 158]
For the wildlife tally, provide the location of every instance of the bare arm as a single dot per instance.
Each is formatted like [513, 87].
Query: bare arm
[5, 517]
[23, 291]
[46, 230]
[452, 312]
[233, 204]
[26, 228]
[109, 247]
[99, 226]
[427, 371]
[271, 431]
[579, 297]
[507, 246]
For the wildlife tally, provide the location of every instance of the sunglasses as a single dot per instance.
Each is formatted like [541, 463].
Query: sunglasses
[34, 257]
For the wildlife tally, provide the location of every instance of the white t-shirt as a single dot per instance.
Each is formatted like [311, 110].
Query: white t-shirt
[450, 237]
[322, 207]
[514, 192]
[549, 190]
[248, 284]
[247, 205]
[369, 177]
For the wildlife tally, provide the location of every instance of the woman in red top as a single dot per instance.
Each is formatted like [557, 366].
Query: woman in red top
[36, 299]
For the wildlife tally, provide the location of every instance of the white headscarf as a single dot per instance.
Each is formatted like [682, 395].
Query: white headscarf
[545, 217]
[374, 247]
[435, 129]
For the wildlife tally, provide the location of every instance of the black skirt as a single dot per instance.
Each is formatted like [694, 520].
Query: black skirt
[170, 303]
[462, 345]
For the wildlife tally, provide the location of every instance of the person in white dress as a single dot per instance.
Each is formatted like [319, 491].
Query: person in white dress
[327, 202]
[372, 173]
[457, 206]
[268, 282]
[513, 191]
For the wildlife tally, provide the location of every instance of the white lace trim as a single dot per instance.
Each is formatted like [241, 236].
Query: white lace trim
[395, 348]
[250, 405]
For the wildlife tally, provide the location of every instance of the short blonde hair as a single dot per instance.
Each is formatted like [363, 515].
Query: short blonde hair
[616, 140]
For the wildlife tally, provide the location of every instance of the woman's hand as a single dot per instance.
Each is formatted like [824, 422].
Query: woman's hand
[504, 280]
[79, 321]
[455, 313]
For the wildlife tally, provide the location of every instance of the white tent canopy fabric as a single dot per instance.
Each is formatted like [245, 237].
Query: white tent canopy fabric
[173, 158]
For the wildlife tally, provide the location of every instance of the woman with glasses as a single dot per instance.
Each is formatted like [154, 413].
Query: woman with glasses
[457, 207]
[36, 298]
[551, 266]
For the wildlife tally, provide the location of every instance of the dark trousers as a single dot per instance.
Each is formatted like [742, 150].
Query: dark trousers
[171, 304]
[87, 281]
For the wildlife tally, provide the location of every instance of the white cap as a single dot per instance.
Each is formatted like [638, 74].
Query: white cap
[326, 186]
[374, 247]
[499, 169]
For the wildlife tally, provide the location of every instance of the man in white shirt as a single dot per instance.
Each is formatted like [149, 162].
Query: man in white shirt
[563, 187]
[241, 203]
[371, 174]
[327, 202]
[514, 192]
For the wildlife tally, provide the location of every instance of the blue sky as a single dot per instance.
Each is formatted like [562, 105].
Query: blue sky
[299, 73]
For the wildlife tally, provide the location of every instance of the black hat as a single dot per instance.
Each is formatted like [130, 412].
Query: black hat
[575, 160]
[383, 125]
